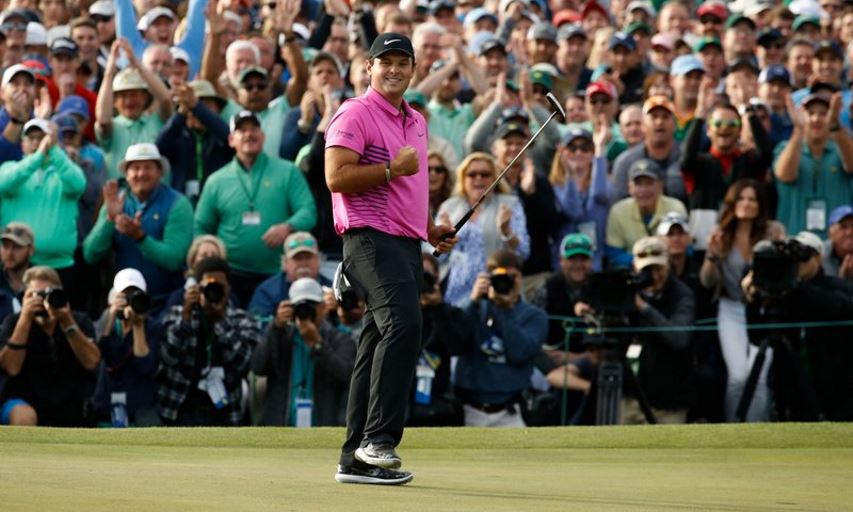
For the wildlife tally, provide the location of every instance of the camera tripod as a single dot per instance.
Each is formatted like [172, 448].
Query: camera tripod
[612, 373]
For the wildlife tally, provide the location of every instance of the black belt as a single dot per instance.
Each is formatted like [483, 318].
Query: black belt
[492, 408]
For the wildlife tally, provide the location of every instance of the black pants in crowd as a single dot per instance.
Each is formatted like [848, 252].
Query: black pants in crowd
[387, 271]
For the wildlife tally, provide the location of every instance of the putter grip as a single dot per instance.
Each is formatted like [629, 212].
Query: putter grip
[457, 227]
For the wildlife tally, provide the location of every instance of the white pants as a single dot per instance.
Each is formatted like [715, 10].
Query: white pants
[739, 356]
[477, 418]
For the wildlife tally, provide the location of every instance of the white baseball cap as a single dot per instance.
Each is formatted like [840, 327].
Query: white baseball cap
[180, 54]
[152, 15]
[41, 124]
[810, 240]
[11, 71]
[304, 289]
[102, 8]
[36, 34]
[128, 277]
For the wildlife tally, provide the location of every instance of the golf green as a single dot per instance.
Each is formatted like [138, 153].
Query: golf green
[693, 467]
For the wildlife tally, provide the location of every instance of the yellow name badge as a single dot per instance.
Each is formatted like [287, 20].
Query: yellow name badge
[251, 219]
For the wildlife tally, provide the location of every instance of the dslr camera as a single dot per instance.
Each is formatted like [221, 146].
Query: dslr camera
[139, 301]
[213, 292]
[775, 266]
[502, 282]
[306, 310]
[56, 298]
[612, 291]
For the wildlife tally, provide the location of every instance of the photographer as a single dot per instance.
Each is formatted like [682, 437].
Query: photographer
[666, 359]
[130, 345]
[496, 368]
[809, 295]
[306, 360]
[206, 352]
[446, 333]
[49, 356]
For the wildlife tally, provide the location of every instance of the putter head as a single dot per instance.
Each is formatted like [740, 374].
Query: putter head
[555, 104]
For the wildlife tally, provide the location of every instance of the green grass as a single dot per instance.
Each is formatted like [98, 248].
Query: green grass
[696, 467]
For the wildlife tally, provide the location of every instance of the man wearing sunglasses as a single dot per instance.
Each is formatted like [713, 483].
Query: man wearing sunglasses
[708, 175]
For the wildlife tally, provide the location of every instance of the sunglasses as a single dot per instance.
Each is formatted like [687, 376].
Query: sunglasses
[476, 174]
[439, 169]
[599, 101]
[8, 27]
[255, 86]
[726, 123]
[579, 148]
[97, 18]
[649, 253]
[304, 243]
[710, 19]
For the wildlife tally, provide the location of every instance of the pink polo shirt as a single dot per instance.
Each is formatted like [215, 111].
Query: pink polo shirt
[376, 130]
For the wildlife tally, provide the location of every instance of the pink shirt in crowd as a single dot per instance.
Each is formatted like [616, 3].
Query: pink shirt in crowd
[373, 128]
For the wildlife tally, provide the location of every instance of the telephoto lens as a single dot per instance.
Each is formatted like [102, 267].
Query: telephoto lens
[55, 297]
[213, 292]
[501, 281]
[139, 301]
[305, 310]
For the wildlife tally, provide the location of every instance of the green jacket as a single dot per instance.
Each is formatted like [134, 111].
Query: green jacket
[280, 193]
[42, 191]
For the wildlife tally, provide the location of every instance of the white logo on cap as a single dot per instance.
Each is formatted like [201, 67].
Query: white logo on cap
[386, 43]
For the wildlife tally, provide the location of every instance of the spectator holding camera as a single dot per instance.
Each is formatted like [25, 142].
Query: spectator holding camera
[148, 226]
[130, 346]
[494, 370]
[301, 259]
[306, 360]
[446, 333]
[49, 355]
[206, 352]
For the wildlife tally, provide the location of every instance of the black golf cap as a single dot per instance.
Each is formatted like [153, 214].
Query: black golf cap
[391, 42]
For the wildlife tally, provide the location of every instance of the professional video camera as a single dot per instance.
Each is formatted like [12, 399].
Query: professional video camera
[612, 292]
[775, 266]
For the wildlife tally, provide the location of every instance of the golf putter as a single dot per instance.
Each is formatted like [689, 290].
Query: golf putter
[557, 110]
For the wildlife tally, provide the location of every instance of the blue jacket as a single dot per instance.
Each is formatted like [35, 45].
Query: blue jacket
[177, 142]
[124, 372]
[503, 373]
[8, 150]
[193, 41]
[272, 291]
[292, 139]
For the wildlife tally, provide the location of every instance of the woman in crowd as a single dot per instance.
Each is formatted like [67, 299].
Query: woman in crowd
[744, 220]
[499, 222]
[579, 177]
[440, 181]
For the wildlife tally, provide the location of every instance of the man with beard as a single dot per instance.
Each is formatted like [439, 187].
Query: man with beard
[15, 253]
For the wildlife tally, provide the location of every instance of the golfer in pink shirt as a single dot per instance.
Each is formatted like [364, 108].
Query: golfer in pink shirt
[376, 168]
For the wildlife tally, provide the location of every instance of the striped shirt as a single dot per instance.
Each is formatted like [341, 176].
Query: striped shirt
[376, 130]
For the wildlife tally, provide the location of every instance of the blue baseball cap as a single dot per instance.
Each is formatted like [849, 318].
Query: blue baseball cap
[576, 133]
[74, 105]
[65, 123]
[774, 73]
[840, 213]
[684, 64]
[622, 39]
[477, 14]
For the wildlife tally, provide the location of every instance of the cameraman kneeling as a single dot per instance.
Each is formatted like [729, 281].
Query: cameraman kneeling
[49, 356]
[508, 334]
[307, 361]
[130, 344]
[206, 352]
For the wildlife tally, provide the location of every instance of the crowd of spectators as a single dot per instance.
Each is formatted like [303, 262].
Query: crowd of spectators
[169, 252]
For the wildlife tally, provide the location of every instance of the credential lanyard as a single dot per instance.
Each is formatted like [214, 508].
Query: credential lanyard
[257, 187]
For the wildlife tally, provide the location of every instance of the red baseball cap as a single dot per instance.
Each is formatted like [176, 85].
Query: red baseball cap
[592, 5]
[601, 88]
[715, 9]
[565, 16]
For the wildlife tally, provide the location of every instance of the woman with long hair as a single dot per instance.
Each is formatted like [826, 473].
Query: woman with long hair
[744, 221]
[498, 223]
[440, 181]
[579, 177]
